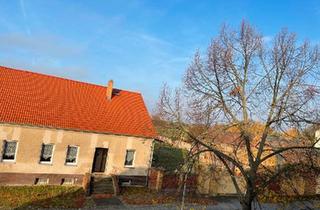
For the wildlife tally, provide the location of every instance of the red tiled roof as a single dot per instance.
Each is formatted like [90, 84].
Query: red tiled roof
[41, 100]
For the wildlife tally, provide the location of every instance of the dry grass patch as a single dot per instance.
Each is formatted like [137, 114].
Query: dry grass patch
[20, 197]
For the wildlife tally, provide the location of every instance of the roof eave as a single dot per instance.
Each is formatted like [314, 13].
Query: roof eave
[78, 130]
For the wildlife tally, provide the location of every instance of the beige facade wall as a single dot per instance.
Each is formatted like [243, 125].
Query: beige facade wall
[30, 140]
[317, 137]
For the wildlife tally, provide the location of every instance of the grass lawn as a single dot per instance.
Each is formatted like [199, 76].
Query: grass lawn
[20, 197]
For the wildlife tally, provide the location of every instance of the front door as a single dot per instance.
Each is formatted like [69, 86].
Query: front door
[100, 159]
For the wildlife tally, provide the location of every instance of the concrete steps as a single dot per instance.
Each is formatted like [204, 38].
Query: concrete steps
[102, 185]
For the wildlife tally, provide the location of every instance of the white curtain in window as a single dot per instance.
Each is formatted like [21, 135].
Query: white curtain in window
[47, 151]
[10, 148]
[72, 154]
[129, 157]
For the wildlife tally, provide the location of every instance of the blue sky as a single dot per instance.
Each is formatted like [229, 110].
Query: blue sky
[138, 44]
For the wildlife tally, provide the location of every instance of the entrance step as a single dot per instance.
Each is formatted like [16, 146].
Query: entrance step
[102, 185]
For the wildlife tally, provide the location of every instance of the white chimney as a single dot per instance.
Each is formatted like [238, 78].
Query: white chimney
[109, 90]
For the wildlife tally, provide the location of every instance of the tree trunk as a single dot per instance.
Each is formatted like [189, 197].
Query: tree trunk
[246, 206]
[247, 201]
[184, 190]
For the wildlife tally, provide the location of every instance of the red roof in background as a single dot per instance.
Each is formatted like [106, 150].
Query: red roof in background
[41, 100]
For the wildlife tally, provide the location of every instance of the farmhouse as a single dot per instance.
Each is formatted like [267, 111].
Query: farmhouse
[59, 131]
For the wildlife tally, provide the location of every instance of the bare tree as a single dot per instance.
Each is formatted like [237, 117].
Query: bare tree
[241, 80]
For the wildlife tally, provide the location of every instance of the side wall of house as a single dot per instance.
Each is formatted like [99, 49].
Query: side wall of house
[30, 139]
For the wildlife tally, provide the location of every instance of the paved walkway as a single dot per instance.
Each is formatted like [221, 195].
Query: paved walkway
[113, 201]
[223, 204]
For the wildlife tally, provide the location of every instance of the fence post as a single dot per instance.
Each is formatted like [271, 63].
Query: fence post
[155, 178]
[159, 180]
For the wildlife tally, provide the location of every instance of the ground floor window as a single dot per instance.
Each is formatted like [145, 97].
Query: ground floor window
[41, 181]
[9, 151]
[68, 181]
[46, 153]
[129, 158]
[72, 155]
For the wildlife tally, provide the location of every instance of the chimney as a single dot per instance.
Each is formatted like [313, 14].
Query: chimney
[109, 90]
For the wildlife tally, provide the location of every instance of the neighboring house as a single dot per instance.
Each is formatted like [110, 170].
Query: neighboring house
[214, 179]
[177, 144]
[57, 131]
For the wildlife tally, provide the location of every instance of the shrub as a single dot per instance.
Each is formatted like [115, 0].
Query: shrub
[168, 157]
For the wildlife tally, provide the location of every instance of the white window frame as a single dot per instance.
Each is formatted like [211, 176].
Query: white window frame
[47, 162]
[78, 151]
[134, 158]
[15, 152]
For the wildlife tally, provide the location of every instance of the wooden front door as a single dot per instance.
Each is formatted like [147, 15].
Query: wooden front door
[100, 159]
